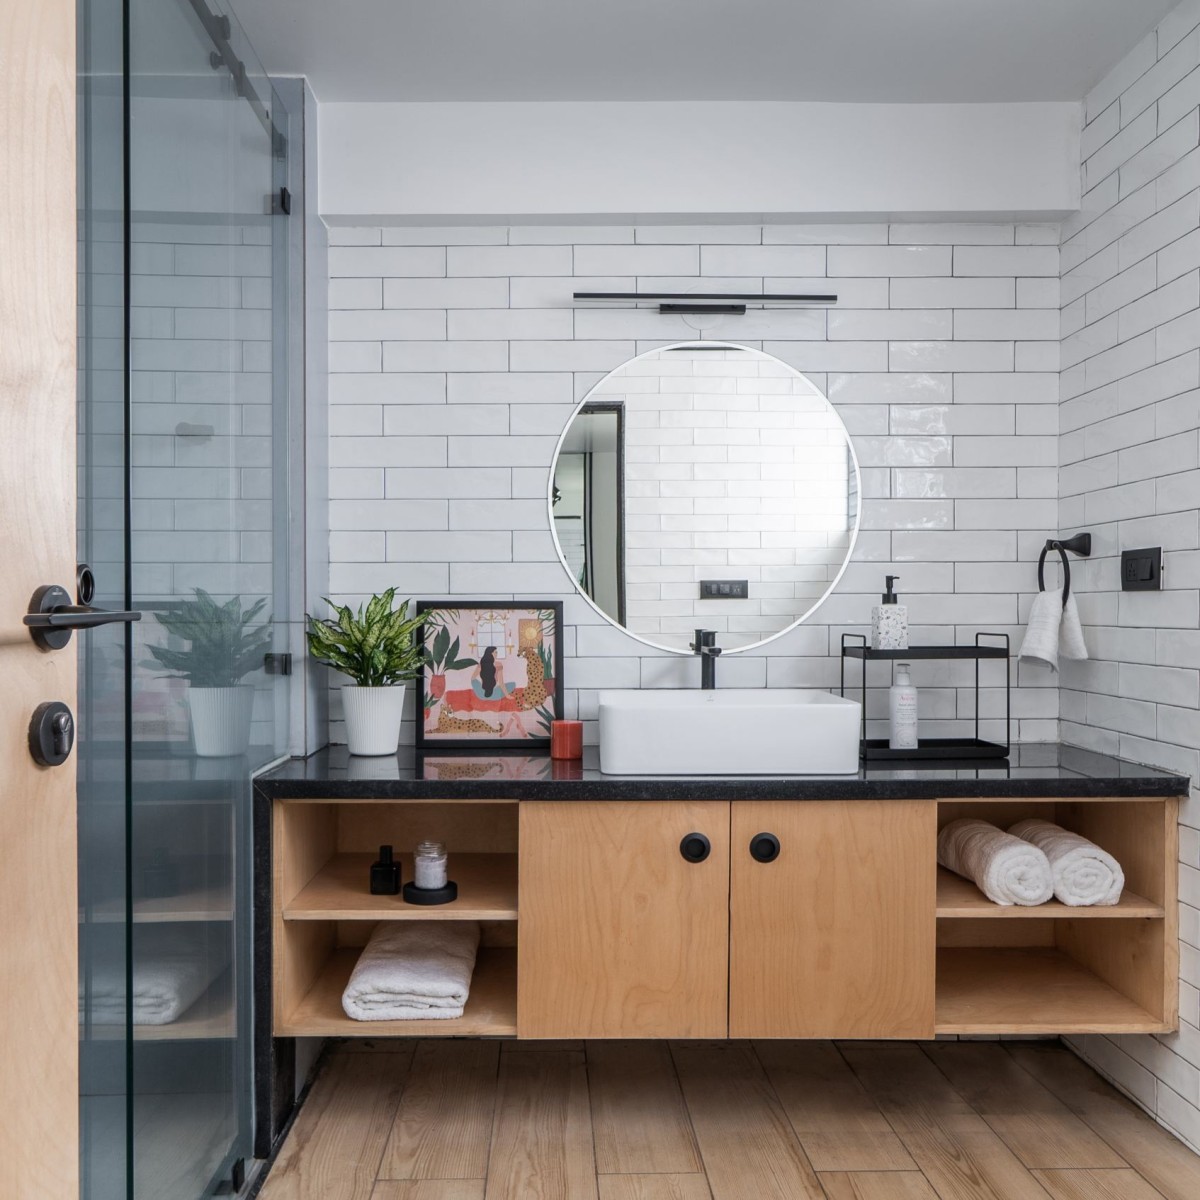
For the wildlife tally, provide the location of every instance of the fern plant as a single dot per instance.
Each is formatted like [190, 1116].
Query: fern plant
[376, 646]
[225, 644]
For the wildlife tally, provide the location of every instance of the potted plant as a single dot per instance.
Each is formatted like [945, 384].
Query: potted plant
[224, 647]
[378, 648]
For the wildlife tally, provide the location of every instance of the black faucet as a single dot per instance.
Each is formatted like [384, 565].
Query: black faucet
[706, 646]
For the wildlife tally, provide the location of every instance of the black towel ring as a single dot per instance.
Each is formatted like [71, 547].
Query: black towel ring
[1080, 544]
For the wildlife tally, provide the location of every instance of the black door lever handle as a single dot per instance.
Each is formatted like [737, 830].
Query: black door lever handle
[52, 617]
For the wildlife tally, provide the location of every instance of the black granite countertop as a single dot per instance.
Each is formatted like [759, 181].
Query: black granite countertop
[1034, 769]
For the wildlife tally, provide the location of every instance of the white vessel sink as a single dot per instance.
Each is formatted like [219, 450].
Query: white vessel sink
[733, 731]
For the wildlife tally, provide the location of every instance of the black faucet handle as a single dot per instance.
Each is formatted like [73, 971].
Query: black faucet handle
[706, 641]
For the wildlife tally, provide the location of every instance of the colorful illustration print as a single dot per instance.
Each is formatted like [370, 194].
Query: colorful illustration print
[489, 672]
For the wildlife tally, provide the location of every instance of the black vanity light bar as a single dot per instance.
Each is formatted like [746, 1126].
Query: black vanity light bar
[734, 303]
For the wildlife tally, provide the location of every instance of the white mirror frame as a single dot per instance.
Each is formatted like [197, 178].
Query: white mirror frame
[637, 637]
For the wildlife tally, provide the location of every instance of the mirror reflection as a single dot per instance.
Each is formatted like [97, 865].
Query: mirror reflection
[706, 485]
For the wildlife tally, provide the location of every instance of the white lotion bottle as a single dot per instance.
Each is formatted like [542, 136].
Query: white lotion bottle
[902, 711]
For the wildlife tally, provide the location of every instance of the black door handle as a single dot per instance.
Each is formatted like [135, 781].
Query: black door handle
[52, 617]
[695, 847]
[764, 847]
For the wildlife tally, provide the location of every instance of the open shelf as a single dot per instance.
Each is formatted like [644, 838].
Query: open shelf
[959, 897]
[491, 1009]
[487, 891]
[912, 653]
[213, 903]
[1030, 990]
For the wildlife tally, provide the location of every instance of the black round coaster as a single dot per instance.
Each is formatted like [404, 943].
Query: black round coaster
[442, 895]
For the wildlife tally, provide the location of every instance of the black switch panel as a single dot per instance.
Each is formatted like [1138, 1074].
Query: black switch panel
[1141, 570]
[724, 589]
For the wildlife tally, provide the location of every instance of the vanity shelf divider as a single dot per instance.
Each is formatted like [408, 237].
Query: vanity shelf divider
[855, 646]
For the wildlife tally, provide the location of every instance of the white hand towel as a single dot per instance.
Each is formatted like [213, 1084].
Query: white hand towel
[1071, 643]
[1006, 869]
[1040, 644]
[413, 970]
[1084, 874]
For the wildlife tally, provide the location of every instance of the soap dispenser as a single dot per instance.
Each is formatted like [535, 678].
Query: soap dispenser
[385, 874]
[889, 621]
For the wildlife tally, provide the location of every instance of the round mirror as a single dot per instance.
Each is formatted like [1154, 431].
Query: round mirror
[705, 486]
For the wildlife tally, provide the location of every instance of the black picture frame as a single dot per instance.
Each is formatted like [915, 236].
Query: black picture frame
[430, 741]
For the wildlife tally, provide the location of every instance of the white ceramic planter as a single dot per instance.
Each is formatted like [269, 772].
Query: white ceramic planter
[373, 718]
[221, 720]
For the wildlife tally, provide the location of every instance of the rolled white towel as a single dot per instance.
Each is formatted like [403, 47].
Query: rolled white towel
[412, 971]
[1070, 642]
[1042, 631]
[1006, 869]
[1084, 874]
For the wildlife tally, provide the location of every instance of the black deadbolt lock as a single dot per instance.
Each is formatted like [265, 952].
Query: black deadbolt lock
[51, 734]
[695, 847]
[764, 847]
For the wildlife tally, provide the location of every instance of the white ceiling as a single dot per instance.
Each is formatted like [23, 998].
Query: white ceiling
[838, 50]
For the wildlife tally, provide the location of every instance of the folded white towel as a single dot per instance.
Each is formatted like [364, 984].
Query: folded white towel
[171, 971]
[1006, 869]
[1071, 643]
[413, 970]
[1042, 632]
[1084, 874]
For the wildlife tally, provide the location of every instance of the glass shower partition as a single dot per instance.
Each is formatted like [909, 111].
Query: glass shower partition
[183, 514]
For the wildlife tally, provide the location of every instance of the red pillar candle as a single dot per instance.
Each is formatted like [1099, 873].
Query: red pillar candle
[566, 739]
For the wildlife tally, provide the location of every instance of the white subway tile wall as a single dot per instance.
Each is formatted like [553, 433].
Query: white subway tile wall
[457, 359]
[1130, 472]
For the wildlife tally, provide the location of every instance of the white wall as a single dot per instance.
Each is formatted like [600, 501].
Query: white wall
[388, 162]
[455, 364]
[1130, 454]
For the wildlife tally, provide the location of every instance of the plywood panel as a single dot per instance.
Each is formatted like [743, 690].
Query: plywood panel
[39, 994]
[465, 826]
[619, 935]
[835, 938]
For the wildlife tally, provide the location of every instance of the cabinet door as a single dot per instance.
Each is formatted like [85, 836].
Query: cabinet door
[620, 935]
[835, 938]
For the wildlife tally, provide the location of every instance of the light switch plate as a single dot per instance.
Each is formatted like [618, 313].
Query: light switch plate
[1141, 570]
[724, 589]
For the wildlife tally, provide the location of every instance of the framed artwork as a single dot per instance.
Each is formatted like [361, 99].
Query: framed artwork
[491, 675]
[477, 766]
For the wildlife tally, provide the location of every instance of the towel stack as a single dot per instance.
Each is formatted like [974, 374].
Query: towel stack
[412, 971]
[1030, 863]
[1053, 630]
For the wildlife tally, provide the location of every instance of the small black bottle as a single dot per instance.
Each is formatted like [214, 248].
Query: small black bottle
[385, 874]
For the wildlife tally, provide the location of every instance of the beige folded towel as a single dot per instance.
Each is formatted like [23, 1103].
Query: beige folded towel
[413, 971]
[1006, 869]
[1084, 874]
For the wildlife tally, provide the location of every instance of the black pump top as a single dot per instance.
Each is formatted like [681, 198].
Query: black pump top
[385, 855]
[890, 597]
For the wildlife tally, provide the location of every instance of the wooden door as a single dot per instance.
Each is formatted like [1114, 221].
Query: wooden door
[620, 936]
[39, 1137]
[836, 937]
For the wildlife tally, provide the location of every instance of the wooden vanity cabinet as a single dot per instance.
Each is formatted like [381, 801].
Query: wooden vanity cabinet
[835, 937]
[621, 935]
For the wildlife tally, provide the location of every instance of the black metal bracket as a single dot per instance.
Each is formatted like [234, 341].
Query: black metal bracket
[734, 303]
[1080, 544]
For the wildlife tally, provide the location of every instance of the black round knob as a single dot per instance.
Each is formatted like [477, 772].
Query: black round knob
[764, 847]
[695, 847]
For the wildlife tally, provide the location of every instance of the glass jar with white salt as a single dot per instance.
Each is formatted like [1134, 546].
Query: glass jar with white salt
[429, 865]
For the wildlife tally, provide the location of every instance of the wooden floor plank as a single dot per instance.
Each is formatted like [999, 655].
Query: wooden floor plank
[1124, 1184]
[428, 1189]
[443, 1126]
[576, 1044]
[638, 1116]
[876, 1185]
[334, 1148]
[1033, 1123]
[837, 1122]
[654, 1187]
[962, 1157]
[1164, 1161]
[747, 1144]
[542, 1132]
